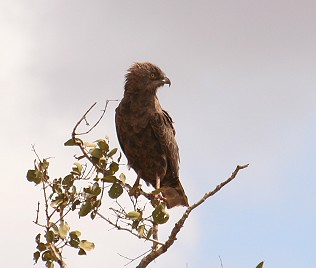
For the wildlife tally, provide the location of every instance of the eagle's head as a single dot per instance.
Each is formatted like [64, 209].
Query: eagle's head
[145, 76]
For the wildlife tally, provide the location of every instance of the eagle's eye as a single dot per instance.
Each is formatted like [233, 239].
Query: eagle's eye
[153, 75]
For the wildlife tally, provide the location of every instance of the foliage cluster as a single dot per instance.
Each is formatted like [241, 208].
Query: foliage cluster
[82, 191]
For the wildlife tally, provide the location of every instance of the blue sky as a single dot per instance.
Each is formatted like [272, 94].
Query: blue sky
[243, 91]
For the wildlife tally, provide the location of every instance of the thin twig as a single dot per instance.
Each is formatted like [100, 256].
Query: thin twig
[84, 118]
[118, 227]
[46, 205]
[81, 119]
[221, 261]
[37, 212]
[34, 151]
[134, 259]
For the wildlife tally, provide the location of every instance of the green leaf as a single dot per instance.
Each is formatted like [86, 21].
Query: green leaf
[74, 239]
[81, 252]
[75, 172]
[46, 256]
[96, 152]
[85, 209]
[43, 165]
[160, 215]
[93, 214]
[103, 161]
[80, 157]
[75, 204]
[41, 246]
[141, 230]
[260, 265]
[122, 178]
[50, 236]
[63, 230]
[32, 176]
[135, 224]
[54, 226]
[72, 142]
[75, 234]
[115, 191]
[74, 243]
[89, 144]
[114, 167]
[134, 215]
[56, 202]
[86, 245]
[149, 233]
[97, 203]
[36, 256]
[38, 238]
[68, 181]
[96, 189]
[49, 264]
[112, 152]
[103, 145]
[111, 179]
[79, 166]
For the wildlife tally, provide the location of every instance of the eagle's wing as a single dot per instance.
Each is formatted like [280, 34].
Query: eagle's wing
[162, 127]
[172, 189]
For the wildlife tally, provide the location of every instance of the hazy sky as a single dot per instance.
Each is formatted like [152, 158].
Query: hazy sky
[243, 91]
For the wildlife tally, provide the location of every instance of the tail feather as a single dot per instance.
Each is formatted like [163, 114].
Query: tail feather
[175, 196]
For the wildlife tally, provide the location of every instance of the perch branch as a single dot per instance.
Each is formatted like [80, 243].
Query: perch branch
[176, 229]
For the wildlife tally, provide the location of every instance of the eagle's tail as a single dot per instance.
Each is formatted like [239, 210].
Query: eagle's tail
[175, 195]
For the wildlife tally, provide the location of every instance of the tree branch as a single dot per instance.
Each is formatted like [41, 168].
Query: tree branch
[84, 118]
[176, 229]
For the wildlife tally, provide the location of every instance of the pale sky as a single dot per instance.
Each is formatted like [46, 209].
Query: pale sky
[243, 91]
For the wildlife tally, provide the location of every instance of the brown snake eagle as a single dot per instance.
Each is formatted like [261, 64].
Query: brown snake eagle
[146, 134]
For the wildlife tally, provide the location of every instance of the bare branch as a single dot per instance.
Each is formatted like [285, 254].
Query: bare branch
[133, 259]
[34, 151]
[84, 118]
[37, 212]
[221, 261]
[173, 235]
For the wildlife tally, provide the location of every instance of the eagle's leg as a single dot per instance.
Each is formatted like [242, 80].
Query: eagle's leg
[136, 184]
[155, 225]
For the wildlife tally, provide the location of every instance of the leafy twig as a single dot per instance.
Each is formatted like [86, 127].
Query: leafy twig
[118, 227]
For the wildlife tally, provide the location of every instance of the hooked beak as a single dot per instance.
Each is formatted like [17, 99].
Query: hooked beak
[166, 80]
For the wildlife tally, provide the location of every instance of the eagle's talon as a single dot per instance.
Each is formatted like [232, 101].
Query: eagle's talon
[156, 198]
